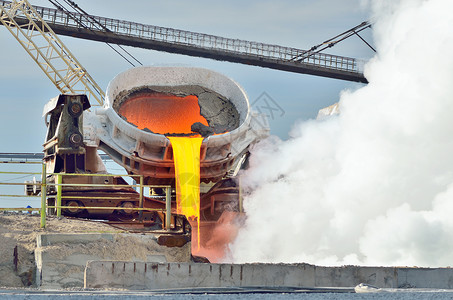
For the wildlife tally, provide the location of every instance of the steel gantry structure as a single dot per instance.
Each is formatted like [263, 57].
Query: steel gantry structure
[47, 50]
[196, 44]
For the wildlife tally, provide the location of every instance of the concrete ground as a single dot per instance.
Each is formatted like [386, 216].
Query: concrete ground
[402, 294]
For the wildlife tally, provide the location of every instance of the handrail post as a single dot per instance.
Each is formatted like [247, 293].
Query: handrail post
[168, 208]
[59, 192]
[43, 196]
[140, 201]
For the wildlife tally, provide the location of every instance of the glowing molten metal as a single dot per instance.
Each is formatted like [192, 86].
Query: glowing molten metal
[169, 114]
[163, 113]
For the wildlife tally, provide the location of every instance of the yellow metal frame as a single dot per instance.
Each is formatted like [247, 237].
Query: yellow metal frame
[48, 51]
[59, 185]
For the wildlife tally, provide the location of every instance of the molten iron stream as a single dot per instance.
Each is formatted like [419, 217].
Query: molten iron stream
[186, 155]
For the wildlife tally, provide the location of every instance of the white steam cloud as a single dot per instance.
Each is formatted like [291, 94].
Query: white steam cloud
[374, 185]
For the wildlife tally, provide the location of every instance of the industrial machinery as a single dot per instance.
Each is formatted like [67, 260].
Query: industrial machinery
[153, 92]
[144, 108]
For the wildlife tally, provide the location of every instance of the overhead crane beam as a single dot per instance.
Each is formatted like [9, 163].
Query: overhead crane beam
[202, 45]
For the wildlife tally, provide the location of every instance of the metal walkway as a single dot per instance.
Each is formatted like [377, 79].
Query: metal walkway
[203, 45]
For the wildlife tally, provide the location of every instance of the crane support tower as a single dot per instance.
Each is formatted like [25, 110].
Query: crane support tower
[48, 51]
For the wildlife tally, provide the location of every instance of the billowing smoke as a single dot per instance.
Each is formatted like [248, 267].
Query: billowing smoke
[374, 185]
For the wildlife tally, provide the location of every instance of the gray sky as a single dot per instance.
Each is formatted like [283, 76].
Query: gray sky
[25, 89]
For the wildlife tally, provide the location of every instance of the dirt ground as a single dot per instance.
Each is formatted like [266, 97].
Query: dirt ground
[19, 231]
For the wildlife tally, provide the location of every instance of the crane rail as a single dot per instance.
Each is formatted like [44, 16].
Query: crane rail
[203, 45]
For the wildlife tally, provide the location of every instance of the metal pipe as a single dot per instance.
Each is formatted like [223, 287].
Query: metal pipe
[107, 208]
[59, 190]
[94, 185]
[168, 208]
[94, 197]
[99, 175]
[19, 196]
[20, 162]
[18, 183]
[19, 173]
[43, 196]
[140, 199]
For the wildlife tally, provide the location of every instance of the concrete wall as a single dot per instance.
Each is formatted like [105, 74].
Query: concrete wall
[139, 276]
[61, 258]
[102, 274]
[137, 261]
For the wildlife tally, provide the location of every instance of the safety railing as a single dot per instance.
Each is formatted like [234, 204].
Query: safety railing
[5, 182]
[199, 40]
[59, 185]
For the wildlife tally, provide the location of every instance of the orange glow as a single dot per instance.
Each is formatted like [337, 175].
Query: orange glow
[163, 113]
[215, 237]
